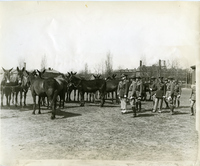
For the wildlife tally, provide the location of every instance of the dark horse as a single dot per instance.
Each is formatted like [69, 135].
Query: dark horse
[6, 89]
[89, 86]
[111, 86]
[71, 88]
[62, 84]
[18, 85]
[43, 87]
[12, 84]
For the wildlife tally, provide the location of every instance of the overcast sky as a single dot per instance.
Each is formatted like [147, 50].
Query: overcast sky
[71, 34]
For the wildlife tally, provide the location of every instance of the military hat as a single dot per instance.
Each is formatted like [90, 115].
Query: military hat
[123, 75]
[153, 77]
[160, 77]
[170, 78]
[132, 76]
[165, 79]
[138, 77]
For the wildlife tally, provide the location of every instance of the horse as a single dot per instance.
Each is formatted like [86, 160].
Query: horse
[11, 84]
[62, 82]
[89, 86]
[71, 88]
[17, 87]
[43, 87]
[25, 86]
[111, 86]
[5, 87]
[62, 88]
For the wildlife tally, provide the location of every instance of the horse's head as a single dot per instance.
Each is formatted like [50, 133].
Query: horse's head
[20, 75]
[98, 76]
[73, 80]
[6, 76]
[31, 76]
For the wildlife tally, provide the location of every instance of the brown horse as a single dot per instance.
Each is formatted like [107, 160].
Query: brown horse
[17, 86]
[43, 87]
[5, 86]
[89, 86]
[111, 87]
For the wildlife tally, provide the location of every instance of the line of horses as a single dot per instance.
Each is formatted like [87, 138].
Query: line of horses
[53, 86]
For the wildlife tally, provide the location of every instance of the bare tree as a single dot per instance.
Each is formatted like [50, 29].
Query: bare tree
[21, 62]
[100, 68]
[86, 71]
[108, 64]
[44, 62]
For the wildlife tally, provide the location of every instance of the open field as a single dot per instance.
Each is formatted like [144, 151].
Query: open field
[95, 133]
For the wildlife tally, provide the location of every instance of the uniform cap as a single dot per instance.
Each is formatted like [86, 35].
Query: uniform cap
[170, 78]
[123, 75]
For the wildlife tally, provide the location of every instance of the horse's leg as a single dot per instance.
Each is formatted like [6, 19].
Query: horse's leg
[16, 98]
[34, 103]
[2, 94]
[63, 100]
[13, 97]
[82, 99]
[53, 104]
[7, 102]
[25, 93]
[39, 99]
[102, 96]
[9, 98]
[112, 97]
[20, 97]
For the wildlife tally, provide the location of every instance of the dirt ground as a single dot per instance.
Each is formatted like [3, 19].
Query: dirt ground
[95, 133]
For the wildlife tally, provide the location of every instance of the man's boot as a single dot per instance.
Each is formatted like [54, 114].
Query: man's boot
[178, 103]
[172, 109]
[134, 112]
[140, 105]
[136, 104]
[192, 111]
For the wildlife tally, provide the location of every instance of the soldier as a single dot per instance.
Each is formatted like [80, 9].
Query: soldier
[160, 92]
[139, 89]
[122, 92]
[164, 98]
[177, 93]
[170, 94]
[132, 95]
[193, 98]
[153, 88]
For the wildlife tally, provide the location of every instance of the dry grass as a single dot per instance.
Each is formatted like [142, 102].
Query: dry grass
[92, 132]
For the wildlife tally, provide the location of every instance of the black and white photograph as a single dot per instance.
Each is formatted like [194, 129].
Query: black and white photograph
[95, 83]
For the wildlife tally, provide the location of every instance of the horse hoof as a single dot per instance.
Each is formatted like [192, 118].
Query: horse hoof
[52, 117]
[33, 113]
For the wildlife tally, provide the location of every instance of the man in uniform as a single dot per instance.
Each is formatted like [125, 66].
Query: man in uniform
[132, 95]
[153, 88]
[177, 93]
[139, 89]
[165, 100]
[122, 92]
[160, 91]
[170, 94]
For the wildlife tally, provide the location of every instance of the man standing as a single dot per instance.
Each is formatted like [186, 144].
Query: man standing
[132, 95]
[177, 93]
[193, 98]
[170, 94]
[122, 92]
[153, 88]
[159, 95]
[139, 89]
[165, 86]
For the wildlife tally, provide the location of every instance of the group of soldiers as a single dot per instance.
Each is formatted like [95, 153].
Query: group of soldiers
[161, 89]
